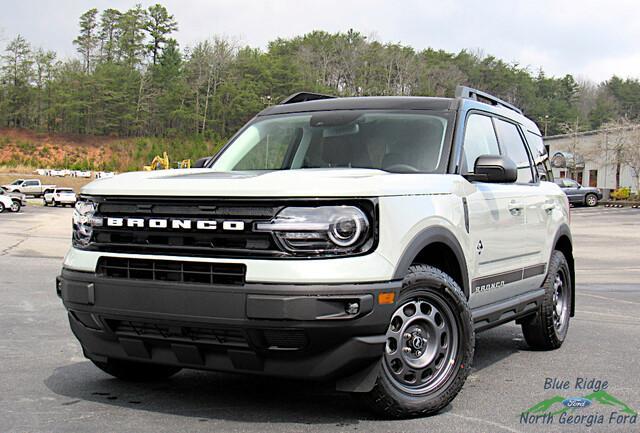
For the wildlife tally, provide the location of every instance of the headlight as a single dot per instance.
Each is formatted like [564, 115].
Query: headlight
[83, 222]
[321, 230]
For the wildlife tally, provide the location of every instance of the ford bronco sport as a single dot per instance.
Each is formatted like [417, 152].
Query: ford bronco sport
[359, 240]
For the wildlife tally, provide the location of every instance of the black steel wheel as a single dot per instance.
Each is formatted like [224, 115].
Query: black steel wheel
[548, 328]
[429, 348]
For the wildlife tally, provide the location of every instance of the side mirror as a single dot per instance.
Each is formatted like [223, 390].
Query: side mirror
[494, 169]
[200, 163]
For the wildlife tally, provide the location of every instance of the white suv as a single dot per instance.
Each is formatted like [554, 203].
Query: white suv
[59, 197]
[359, 240]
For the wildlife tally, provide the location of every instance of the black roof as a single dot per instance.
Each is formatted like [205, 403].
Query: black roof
[365, 103]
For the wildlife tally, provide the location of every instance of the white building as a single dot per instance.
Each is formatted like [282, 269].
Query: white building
[590, 157]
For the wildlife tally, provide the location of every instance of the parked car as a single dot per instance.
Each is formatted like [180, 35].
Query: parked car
[17, 197]
[578, 194]
[28, 186]
[59, 197]
[7, 203]
[363, 240]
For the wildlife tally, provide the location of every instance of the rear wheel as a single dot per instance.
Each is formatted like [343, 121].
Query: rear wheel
[2, 207]
[548, 328]
[591, 200]
[429, 350]
[136, 371]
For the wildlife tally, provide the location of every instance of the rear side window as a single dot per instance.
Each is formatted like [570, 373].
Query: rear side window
[479, 139]
[513, 147]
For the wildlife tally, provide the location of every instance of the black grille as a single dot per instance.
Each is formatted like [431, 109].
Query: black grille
[285, 339]
[213, 336]
[173, 271]
[207, 243]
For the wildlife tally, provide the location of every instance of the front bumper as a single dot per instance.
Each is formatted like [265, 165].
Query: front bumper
[289, 330]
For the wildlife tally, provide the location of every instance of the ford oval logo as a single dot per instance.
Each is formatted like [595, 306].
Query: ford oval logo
[576, 402]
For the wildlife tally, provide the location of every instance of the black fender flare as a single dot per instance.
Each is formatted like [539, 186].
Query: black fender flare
[564, 230]
[423, 239]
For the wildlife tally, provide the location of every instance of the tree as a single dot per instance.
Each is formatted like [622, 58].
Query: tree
[43, 71]
[17, 73]
[131, 36]
[160, 24]
[109, 34]
[631, 154]
[87, 41]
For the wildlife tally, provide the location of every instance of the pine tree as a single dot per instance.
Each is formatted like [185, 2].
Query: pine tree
[160, 25]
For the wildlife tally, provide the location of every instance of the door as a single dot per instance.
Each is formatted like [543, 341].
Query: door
[30, 187]
[536, 207]
[572, 189]
[497, 228]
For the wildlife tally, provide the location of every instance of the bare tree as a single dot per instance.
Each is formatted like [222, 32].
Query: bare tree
[632, 155]
[618, 144]
[575, 155]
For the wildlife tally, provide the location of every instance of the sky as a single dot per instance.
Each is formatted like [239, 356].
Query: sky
[589, 39]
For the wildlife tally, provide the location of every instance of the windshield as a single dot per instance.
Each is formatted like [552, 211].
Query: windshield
[64, 191]
[399, 142]
[17, 182]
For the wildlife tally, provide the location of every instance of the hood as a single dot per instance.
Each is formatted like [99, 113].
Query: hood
[335, 182]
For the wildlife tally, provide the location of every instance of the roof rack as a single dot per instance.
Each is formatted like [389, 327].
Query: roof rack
[477, 95]
[303, 97]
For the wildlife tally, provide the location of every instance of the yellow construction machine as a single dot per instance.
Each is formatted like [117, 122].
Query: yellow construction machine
[163, 163]
[158, 163]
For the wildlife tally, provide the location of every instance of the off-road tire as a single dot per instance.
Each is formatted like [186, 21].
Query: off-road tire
[387, 397]
[540, 332]
[136, 371]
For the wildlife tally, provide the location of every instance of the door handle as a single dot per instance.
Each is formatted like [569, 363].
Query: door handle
[515, 207]
[549, 207]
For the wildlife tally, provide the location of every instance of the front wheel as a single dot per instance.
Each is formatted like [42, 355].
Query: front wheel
[591, 200]
[429, 349]
[547, 330]
[136, 371]
[15, 206]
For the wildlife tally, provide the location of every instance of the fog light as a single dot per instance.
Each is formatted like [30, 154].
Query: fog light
[352, 308]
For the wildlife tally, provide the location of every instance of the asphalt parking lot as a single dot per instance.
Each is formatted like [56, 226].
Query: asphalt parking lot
[46, 385]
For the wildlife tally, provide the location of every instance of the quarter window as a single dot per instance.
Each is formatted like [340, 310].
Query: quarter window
[479, 139]
[540, 156]
[513, 147]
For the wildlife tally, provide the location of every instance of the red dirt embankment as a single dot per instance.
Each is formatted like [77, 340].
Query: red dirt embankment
[25, 147]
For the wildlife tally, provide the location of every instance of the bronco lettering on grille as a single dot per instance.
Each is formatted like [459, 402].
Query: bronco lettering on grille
[174, 224]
